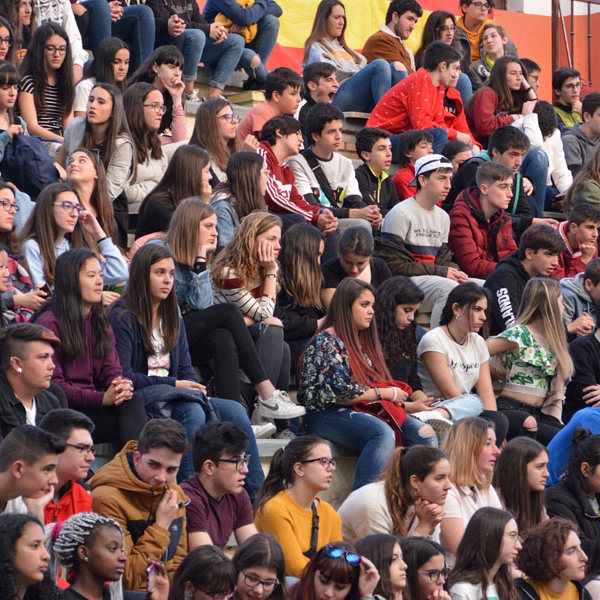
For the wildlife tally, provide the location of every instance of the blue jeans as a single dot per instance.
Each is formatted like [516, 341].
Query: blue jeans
[364, 89]
[262, 44]
[361, 433]
[464, 87]
[136, 27]
[535, 168]
[194, 41]
[191, 415]
[412, 437]
[467, 405]
[397, 76]
[223, 58]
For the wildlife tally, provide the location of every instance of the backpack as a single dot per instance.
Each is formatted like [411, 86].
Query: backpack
[28, 165]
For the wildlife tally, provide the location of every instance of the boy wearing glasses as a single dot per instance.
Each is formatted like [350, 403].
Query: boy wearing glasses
[566, 84]
[71, 496]
[138, 489]
[219, 504]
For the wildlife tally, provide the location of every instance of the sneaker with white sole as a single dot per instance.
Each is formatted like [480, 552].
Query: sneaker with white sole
[193, 96]
[439, 423]
[266, 430]
[279, 406]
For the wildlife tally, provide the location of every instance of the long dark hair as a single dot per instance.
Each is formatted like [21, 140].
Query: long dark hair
[10, 55]
[163, 55]
[101, 68]
[146, 142]
[34, 64]
[336, 569]
[137, 299]
[416, 552]
[281, 470]
[397, 344]
[182, 177]
[10, 238]
[41, 227]
[478, 551]
[243, 174]
[263, 550]
[12, 528]
[379, 549]
[511, 482]
[9, 76]
[10, 9]
[432, 33]
[67, 305]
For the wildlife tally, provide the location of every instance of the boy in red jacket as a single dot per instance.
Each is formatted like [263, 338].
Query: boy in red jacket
[480, 230]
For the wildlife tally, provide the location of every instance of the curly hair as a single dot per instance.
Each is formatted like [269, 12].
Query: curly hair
[12, 528]
[543, 547]
[240, 254]
[397, 343]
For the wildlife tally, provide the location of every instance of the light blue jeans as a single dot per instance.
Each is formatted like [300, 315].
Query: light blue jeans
[535, 168]
[360, 433]
[467, 405]
[223, 58]
[364, 89]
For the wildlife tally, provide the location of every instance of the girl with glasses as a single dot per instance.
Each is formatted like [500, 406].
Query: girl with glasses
[58, 223]
[144, 108]
[287, 505]
[153, 351]
[91, 549]
[215, 130]
[260, 568]
[337, 572]
[7, 42]
[426, 571]
[105, 131]
[385, 553]
[46, 88]
[238, 195]
[485, 556]
[204, 574]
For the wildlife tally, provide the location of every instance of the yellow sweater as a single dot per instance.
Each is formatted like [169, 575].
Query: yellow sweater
[292, 526]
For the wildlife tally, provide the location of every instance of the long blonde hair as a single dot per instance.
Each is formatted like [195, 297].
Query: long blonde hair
[539, 304]
[463, 444]
[240, 254]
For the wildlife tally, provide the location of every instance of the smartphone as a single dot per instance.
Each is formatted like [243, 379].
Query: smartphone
[46, 288]
[151, 576]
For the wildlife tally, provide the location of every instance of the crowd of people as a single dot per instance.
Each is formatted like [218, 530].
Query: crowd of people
[265, 260]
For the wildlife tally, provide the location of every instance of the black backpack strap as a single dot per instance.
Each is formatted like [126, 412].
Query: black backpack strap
[315, 165]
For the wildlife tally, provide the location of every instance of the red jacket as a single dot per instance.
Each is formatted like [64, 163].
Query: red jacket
[76, 499]
[281, 195]
[402, 178]
[569, 260]
[413, 103]
[482, 117]
[478, 244]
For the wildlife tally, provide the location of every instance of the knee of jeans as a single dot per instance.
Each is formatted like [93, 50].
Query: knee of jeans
[536, 158]
[426, 431]
[530, 423]
[195, 37]
[270, 22]
[381, 64]
[235, 41]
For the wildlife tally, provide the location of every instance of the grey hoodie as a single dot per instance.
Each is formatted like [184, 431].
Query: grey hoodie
[576, 299]
[578, 148]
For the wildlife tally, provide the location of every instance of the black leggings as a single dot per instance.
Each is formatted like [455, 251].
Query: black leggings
[517, 412]
[220, 334]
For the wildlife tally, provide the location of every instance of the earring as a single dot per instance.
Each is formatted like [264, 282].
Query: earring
[456, 316]
[86, 558]
[19, 370]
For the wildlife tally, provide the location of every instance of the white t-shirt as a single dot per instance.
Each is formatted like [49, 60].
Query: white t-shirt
[464, 361]
[16, 506]
[470, 591]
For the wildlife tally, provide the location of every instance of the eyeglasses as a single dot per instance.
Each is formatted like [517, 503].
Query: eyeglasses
[481, 5]
[6, 41]
[239, 463]
[70, 208]
[450, 28]
[231, 118]
[55, 49]
[8, 206]
[336, 552]
[83, 449]
[161, 108]
[436, 574]
[219, 596]
[324, 460]
[572, 86]
[252, 581]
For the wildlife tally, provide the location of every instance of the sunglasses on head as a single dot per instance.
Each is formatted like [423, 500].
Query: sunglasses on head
[336, 552]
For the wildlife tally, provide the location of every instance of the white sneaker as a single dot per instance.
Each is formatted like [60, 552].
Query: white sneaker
[286, 434]
[193, 96]
[266, 430]
[439, 423]
[279, 406]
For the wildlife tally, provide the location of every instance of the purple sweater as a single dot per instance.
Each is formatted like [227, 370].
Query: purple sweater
[81, 377]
